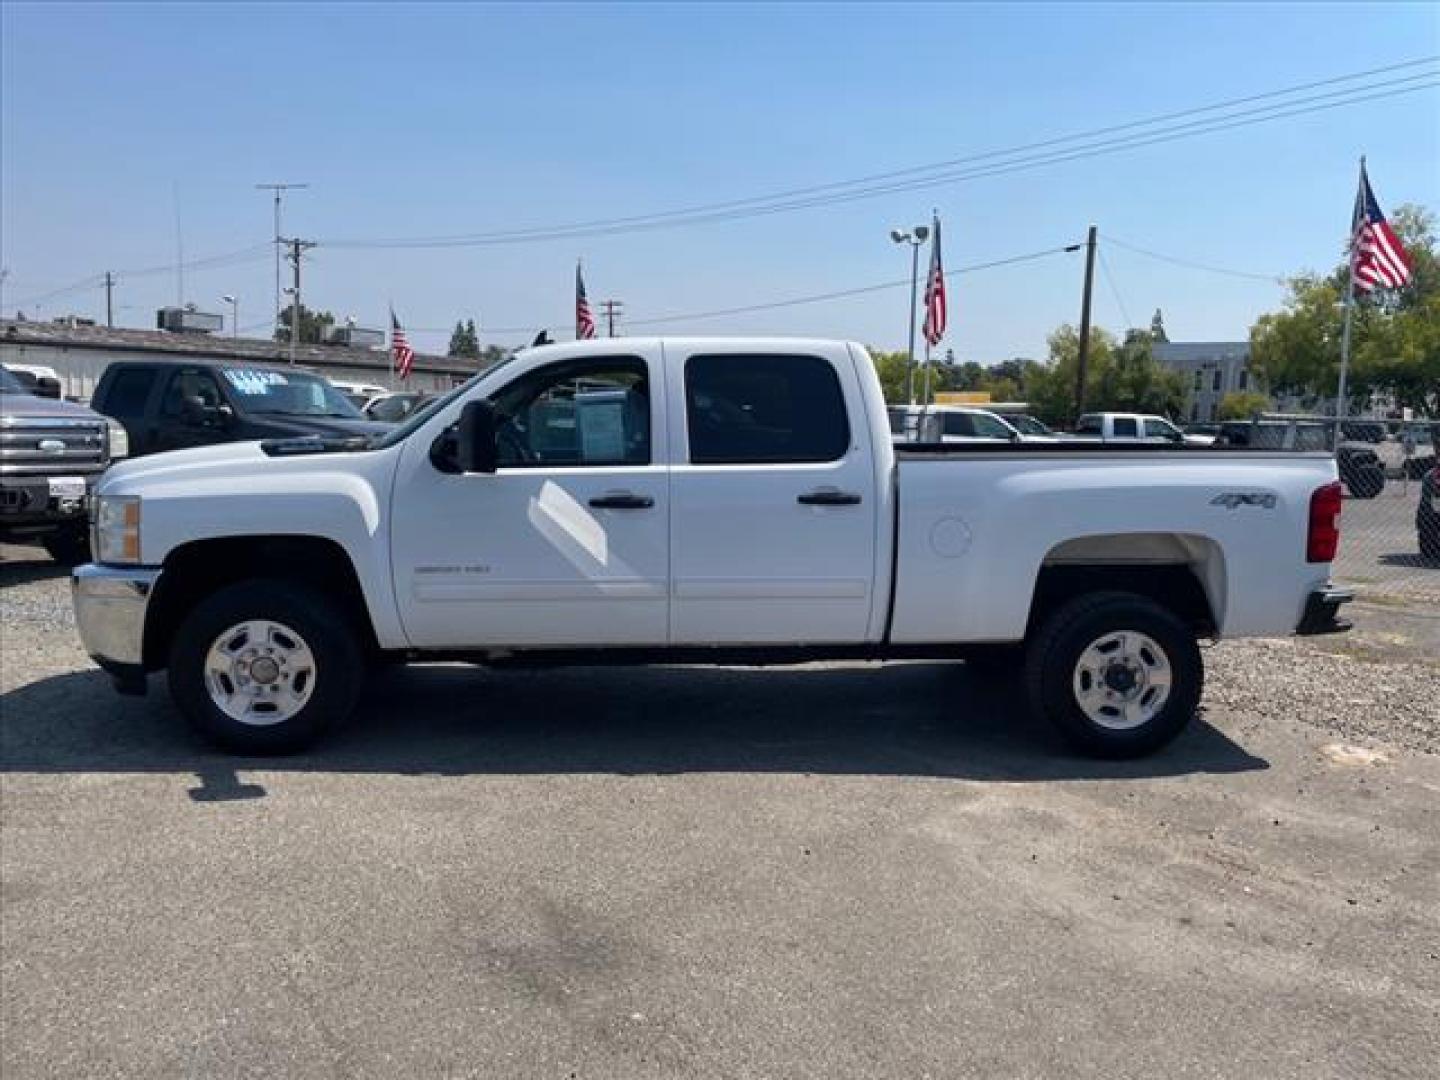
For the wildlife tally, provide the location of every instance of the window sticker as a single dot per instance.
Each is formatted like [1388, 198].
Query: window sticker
[253, 383]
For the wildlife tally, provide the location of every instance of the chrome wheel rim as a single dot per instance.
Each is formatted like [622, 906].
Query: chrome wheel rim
[260, 672]
[1122, 680]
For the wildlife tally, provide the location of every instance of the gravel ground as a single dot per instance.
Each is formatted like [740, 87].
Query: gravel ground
[827, 871]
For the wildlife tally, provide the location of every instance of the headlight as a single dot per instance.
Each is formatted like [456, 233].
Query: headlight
[119, 441]
[117, 529]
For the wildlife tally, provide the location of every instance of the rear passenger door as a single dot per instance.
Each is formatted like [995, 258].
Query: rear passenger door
[773, 499]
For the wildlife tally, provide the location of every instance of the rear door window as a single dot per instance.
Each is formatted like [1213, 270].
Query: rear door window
[1124, 427]
[958, 424]
[129, 392]
[756, 409]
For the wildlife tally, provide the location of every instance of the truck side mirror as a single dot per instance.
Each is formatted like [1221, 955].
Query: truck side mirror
[476, 450]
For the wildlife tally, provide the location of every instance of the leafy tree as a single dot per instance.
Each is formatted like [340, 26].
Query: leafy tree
[1242, 404]
[1395, 333]
[314, 325]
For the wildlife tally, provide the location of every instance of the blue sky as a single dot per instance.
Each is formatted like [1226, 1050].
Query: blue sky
[413, 121]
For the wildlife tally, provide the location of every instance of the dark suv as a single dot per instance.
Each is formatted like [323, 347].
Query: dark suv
[170, 405]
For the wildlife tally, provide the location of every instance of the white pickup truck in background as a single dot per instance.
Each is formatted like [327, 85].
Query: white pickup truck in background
[1115, 427]
[695, 501]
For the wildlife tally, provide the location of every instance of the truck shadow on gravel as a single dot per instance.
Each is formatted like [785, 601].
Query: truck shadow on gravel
[929, 720]
[25, 569]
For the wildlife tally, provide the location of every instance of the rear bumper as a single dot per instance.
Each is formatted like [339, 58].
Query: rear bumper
[1322, 610]
[111, 603]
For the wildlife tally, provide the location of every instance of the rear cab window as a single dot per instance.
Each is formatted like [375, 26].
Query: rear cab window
[764, 409]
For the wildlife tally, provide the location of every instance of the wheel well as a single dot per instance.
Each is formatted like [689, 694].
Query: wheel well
[1175, 587]
[196, 570]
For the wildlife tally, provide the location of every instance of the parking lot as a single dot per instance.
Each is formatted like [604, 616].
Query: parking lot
[845, 870]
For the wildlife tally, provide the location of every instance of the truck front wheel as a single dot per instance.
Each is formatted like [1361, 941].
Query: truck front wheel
[265, 667]
[1118, 674]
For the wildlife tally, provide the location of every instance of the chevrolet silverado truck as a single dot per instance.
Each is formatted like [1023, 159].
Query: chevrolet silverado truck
[694, 501]
[51, 454]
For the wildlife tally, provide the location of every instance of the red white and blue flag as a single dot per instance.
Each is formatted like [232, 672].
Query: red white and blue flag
[1377, 258]
[936, 311]
[584, 319]
[400, 350]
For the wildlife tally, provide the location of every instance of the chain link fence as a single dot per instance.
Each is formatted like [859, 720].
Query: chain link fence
[1390, 530]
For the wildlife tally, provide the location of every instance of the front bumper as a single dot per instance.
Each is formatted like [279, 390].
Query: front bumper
[1322, 611]
[26, 504]
[111, 603]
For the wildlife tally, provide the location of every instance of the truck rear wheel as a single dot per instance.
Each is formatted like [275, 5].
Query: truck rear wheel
[265, 667]
[1119, 675]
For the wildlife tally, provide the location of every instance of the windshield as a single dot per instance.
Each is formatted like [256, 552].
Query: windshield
[419, 417]
[10, 384]
[288, 393]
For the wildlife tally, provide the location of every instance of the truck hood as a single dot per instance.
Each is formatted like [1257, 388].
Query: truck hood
[221, 463]
[279, 427]
[30, 405]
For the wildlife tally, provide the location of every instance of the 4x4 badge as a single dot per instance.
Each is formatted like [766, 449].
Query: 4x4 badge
[1231, 499]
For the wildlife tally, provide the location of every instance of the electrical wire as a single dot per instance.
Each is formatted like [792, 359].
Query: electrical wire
[1274, 279]
[802, 199]
[795, 301]
[1110, 280]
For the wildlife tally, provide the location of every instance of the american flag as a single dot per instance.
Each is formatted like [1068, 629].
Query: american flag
[935, 307]
[584, 320]
[1377, 259]
[400, 349]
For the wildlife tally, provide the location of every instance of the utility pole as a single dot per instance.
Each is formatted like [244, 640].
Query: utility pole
[279, 190]
[297, 250]
[109, 300]
[1084, 359]
[611, 308]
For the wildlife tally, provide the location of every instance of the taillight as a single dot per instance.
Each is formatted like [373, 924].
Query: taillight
[1322, 540]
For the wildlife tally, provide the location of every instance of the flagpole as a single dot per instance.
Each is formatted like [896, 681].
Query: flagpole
[1340, 398]
[390, 352]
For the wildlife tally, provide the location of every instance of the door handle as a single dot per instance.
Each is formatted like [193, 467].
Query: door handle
[828, 497]
[622, 500]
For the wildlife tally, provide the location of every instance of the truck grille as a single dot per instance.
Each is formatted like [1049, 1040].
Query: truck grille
[46, 445]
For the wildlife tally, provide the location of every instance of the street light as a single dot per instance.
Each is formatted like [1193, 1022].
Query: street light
[234, 314]
[916, 238]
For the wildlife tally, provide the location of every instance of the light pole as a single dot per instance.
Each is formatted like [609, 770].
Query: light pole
[234, 314]
[916, 238]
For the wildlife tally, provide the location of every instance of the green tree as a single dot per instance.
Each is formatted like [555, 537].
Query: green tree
[1395, 333]
[1242, 404]
[464, 341]
[314, 325]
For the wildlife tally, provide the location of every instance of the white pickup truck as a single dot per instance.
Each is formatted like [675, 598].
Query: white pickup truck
[694, 501]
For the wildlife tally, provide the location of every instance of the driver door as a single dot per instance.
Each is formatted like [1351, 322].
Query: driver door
[567, 543]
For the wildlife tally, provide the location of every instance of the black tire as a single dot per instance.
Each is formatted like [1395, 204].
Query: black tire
[68, 547]
[1430, 543]
[1366, 483]
[338, 669]
[1065, 635]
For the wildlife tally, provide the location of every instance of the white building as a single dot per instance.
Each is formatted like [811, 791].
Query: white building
[1211, 369]
[80, 353]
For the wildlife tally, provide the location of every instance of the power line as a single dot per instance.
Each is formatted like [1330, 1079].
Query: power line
[1115, 292]
[945, 173]
[794, 301]
[1274, 279]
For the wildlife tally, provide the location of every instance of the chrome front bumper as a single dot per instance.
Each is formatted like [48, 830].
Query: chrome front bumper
[110, 607]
